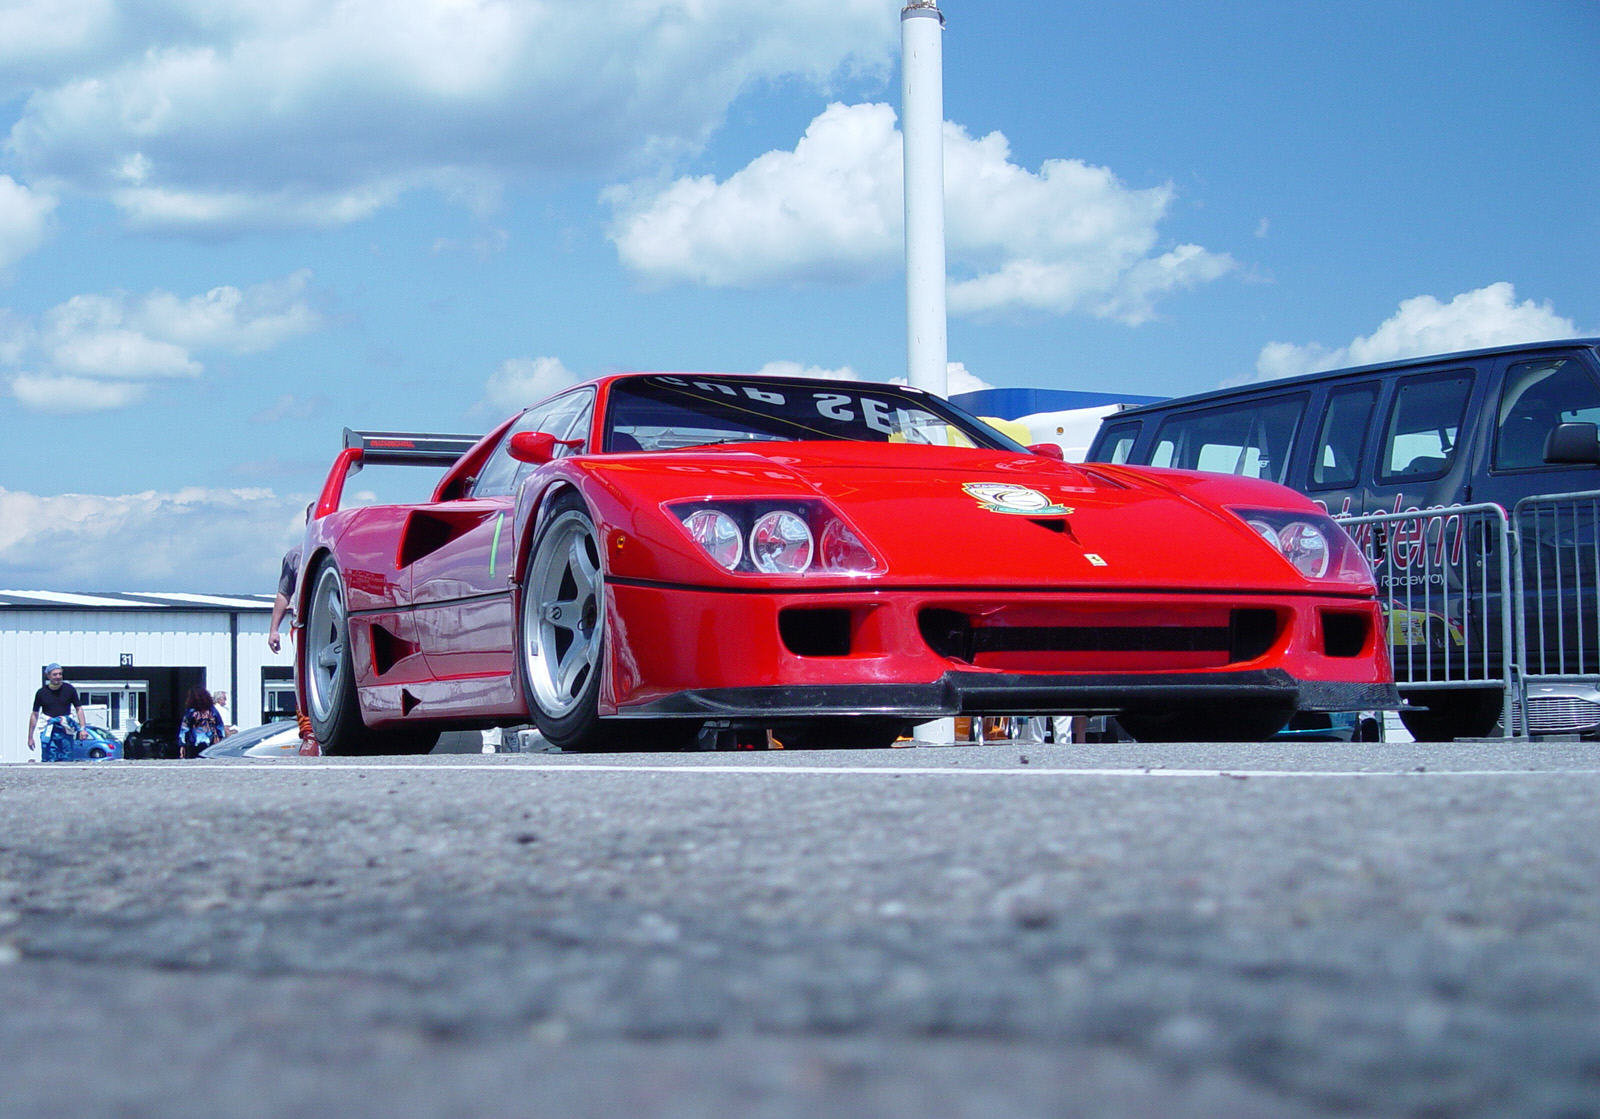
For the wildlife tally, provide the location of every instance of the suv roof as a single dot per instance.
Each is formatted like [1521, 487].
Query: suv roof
[1254, 387]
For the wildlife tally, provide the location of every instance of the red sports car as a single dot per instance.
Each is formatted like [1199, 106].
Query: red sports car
[644, 555]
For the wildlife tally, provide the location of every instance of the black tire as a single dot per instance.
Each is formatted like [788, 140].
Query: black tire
[97, 753]
[1453, 713]
[1205, 724]
[561, 628]
[330, 680]
[857, 732]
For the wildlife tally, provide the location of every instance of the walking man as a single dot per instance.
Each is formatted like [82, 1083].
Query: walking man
[288, 575]
[56, 698]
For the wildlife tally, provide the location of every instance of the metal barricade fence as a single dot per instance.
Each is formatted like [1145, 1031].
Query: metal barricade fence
[1559, 592]
[1445, 582]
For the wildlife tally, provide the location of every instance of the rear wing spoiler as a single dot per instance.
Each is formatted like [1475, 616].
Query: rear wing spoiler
[408, 448]
[388, 448]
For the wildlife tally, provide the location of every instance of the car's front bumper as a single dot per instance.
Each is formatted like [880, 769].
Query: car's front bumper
[932, 652]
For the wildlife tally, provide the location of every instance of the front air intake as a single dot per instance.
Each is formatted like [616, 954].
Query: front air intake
[1101, 639]
[815, 631]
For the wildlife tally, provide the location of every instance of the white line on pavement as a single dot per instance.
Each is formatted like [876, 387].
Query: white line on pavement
[1035, 772]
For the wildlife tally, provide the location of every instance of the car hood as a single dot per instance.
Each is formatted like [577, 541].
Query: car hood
[980, 517]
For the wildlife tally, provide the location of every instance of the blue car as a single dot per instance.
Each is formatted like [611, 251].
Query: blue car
[59, 742]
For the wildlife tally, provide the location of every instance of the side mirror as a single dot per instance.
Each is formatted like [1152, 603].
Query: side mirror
[538, 447]
[1049, 450]
[1573, 443]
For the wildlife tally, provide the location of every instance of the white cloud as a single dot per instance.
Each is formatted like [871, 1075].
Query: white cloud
[795, 369]
[961, 380]
[103, 351]
[195, 115]
[67, 395]
[24, 220]
[522, 381]
[41, 38]
[16, 335]
[244, 321]
[830, 209]
[240, 211]
[1070, 237]
[1489, 316]
[121, 353]
[192, 539]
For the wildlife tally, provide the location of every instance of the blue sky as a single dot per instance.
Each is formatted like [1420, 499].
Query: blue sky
[230, 229]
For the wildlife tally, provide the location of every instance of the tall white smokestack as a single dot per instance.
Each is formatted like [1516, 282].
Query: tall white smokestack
[922, 126]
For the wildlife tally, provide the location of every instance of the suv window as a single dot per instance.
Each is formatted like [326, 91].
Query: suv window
[1537, 396]
[1424, 421]
[1117, 443]
[1343, 438]
[1250, 439]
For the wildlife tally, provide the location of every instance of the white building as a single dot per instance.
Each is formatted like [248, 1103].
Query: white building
[134, 657]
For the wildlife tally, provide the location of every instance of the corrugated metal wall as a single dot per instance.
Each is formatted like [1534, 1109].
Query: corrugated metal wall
[30, 639]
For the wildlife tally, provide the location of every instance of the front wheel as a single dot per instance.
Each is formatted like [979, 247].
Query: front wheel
[562, 628]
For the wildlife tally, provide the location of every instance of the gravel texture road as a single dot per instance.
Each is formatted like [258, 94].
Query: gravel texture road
[1239, 930]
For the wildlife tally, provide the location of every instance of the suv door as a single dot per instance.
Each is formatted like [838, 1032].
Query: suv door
[1537, 393]
[1436, 571]
[1560, 542]
[1422, 459]
[1339, 458]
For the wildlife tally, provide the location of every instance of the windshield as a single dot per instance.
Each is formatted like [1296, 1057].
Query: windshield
[663, 413]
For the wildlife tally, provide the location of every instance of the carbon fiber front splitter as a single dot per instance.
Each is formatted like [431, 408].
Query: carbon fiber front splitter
[986, 693]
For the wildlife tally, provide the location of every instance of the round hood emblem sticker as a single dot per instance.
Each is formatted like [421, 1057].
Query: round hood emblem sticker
[1002, 497]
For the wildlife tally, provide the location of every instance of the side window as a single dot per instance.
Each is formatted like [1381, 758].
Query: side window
[1164, 451]
[1251, 439]
[571, 421]
[1343, 439]
[499, 472]
[1117, 443]
[1424, 422]
[1537, 396]
[565, 417]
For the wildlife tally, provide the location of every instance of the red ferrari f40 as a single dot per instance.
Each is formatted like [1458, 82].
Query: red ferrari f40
[644, 555]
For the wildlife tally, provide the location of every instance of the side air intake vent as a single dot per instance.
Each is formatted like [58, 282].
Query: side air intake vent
[389, 650]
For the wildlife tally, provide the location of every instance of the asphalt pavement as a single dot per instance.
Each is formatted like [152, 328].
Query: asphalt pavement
[1274, 930]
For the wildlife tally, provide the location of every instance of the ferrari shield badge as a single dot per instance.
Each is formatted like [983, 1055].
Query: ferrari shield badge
[1000, 497]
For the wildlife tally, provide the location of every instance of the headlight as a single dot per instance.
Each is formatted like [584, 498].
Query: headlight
[843, 551]
[1300, 543]
[780, 543]
[717, 533]
[777, 537]
[1315, 546]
